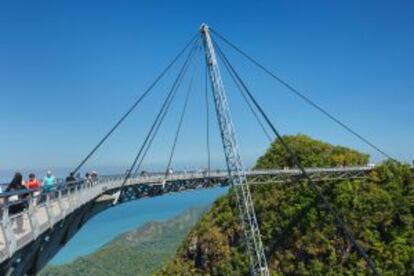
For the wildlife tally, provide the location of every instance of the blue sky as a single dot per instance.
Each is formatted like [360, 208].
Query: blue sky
[69, 69]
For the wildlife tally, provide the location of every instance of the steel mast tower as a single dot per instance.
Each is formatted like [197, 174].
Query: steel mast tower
[237, 176]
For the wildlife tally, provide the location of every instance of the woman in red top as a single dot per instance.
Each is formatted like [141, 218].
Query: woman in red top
[33, 183]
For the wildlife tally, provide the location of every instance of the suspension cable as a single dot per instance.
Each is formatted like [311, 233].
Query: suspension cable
[154, 134]
[126, 114]
[207, 122]
[158, 126]
[171, 94]
[337, 217]
[254, 113]
[180, 122]
[247, 101]
[303, 97]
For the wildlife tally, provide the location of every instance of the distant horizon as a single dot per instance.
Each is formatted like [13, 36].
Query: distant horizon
[7, 174]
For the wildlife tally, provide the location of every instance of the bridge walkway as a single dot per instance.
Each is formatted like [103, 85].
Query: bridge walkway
[45, 212]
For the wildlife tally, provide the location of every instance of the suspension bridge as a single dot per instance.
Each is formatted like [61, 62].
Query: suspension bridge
[29, 239]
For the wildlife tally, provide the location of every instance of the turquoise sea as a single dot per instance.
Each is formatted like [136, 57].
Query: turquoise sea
[107, 225]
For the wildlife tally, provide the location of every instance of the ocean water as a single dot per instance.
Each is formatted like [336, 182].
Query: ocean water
[107, 225]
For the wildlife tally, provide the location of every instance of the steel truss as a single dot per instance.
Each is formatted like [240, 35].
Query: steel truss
[237, 176]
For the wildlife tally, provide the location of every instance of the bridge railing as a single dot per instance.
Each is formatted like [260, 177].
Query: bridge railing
[26, 214]
[39, 195]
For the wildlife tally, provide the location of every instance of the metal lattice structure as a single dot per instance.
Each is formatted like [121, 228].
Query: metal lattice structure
[49, 223]
[237, 175]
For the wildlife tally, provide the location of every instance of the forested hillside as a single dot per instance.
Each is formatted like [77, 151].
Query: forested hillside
[299, 234]
[311, 153]
[139, 252]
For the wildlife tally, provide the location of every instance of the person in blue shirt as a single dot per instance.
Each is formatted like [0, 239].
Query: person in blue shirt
[49, 182]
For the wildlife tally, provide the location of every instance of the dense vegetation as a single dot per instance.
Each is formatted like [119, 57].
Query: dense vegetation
[139, 252]
[311, 153]
[299, 234]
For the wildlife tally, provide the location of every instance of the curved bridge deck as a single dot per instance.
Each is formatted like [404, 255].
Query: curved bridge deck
[30, 238]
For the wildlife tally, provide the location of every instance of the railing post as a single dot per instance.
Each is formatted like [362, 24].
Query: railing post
[59, 201]
[9, 237]
[77, 194]
[83, 192]
[34, 225]
[49, 213]
[71, 199]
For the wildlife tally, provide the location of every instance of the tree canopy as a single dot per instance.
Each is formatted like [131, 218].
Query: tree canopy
[139, 252]
[299, 234]
[310, 153]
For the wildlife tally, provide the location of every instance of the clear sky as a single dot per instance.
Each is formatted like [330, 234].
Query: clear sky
[69, 69]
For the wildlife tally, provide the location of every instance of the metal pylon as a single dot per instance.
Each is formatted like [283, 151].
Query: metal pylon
[253, 242]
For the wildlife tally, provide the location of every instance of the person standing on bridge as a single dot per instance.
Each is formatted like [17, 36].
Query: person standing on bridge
[16, 185]
[88, 179]
[32, 183]
[70, 179]
[49, 182]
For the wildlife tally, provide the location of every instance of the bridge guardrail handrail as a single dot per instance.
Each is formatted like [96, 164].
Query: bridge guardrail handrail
[81, 191]
[35, 194]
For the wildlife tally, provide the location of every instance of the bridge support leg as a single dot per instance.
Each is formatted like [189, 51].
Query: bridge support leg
[237, 175]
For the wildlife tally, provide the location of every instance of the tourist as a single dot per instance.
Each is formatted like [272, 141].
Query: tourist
[94, 176]
[16, 185]
[88, 179]
[32, 183]
[49, 182]
[71, 178]
[71, 181]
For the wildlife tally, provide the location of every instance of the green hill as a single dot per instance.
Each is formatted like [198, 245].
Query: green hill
[139, 252]
[299, 234]
[311, 153]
